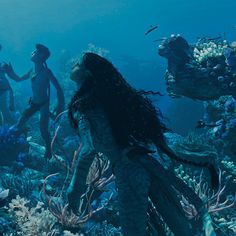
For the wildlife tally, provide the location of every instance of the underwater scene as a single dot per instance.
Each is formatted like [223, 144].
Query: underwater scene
[118, 118]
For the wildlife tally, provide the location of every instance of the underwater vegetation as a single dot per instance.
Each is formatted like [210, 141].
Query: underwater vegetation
[33, 200]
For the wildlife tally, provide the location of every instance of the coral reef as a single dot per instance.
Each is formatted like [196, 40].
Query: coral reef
[32, 221]
[42, 207]
[203, 71]
[32, 190]
[218, 203]
[222, 112]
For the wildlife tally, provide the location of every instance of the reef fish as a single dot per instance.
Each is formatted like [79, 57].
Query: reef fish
[151, 29]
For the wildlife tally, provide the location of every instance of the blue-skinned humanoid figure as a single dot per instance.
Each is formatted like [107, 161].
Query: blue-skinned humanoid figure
[113, 118]
[40, 100]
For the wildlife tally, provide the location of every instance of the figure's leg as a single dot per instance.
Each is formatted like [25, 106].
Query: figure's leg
[28, 112]
[133, 184]
[44, 123]
[4, 108]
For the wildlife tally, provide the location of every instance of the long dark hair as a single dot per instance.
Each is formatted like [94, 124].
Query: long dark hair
[131, 114]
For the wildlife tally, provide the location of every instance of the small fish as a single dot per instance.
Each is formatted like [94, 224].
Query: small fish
[151, 29]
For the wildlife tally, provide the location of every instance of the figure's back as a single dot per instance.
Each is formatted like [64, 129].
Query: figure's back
[101, 132]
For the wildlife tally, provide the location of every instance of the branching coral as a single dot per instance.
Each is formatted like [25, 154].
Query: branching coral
[227, 225]
[205, 50]
[96, 178]
[216, 203]
[32, 221]
[96, 182]
[67, 218]
[231, 169]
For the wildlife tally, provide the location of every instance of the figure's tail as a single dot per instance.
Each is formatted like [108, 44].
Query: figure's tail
[201, 162]
[164, 197]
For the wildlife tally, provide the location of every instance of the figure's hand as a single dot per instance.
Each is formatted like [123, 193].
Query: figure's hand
[27, 75]
[8, 68]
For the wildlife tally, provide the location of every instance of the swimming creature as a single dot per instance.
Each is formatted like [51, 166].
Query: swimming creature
[151, 29]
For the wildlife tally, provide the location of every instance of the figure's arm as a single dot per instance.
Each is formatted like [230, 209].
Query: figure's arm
[87, 153]
[11, 73]
[60, 94]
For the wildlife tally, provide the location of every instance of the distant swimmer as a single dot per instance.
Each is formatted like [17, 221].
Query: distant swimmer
[152, 28]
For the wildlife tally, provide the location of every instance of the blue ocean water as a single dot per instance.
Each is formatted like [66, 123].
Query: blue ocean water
[68, 27]
[118, 26]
